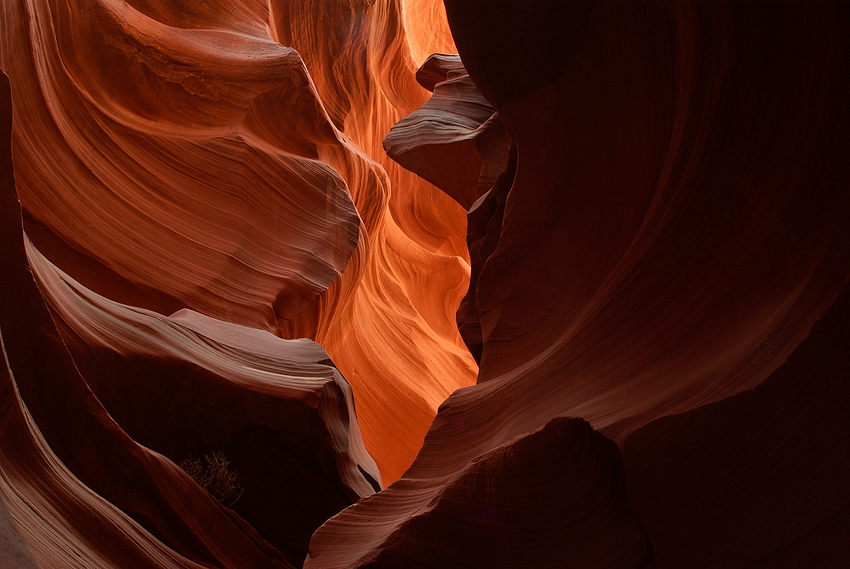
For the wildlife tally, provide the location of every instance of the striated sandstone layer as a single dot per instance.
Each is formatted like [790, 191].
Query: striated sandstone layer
[455, 140]
[161, 164]
[653, 261]
[82, 493]
[657, 206]
[189, 386]
[184, 155]
[186, 385]
[413, 259]
[13, 549]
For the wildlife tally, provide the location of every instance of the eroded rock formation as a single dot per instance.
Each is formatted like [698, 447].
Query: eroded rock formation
[455, 140]
[175, 161]
[672, 227]
[79, 487]
[656, 207]
[195, 162]
[190, 386]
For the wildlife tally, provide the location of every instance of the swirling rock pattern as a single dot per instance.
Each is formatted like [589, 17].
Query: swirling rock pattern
[457, 141]
[414, 245]
[657, 297]
[13, 549]
[189, 385]
[174, 155]
[673, 226]
[153, 136]
[77, 485]
[196, 162]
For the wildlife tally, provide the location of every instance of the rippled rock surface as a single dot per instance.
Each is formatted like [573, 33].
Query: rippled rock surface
[654, 259]
[218, 243]
[225, 158]
[636, 356]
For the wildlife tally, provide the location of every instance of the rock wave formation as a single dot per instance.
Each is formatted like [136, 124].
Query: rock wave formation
[190, 185]
[668, 228]
[80, 488]
[196, 162]
[238, 227]
[278, 409]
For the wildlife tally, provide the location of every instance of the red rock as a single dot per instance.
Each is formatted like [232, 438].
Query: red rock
[455, 140]
[196, 163]
[158, 139]
[484, 225]
[440, 67]
[58, 441]
[676, 224]
[646, 273]
[386, 298]
[13, 550]
[58, 518]
[189, 386]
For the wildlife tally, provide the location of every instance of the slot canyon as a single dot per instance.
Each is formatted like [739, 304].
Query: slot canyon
[438, 283]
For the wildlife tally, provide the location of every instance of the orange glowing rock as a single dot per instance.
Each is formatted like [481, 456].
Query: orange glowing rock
[195, 162]
[175, 156]
[672, 227]
[652, 282]
[410, 272]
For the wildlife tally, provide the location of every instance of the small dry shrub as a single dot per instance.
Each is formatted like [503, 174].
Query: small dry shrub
[213, 474]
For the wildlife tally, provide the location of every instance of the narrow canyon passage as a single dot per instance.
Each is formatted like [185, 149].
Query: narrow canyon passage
[197, 163]
[424, 284]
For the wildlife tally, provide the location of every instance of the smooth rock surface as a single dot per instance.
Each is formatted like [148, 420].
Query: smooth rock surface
[785, 502]
[653, 282]
[175, 155]
[675, 225]
[81, 489]
[455, 140]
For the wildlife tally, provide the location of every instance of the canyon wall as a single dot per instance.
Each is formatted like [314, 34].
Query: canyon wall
[174, 156]
[200, 208]
[664, 257]
[594, 254]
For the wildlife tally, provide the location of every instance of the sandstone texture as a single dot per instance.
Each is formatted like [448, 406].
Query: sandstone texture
[663, 256]
[451, 283]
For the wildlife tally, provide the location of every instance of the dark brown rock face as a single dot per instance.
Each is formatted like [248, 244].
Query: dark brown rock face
[759, 479]
[455, 140]
[673, 228]
[211, 243]
[489, 508]
[190, 386]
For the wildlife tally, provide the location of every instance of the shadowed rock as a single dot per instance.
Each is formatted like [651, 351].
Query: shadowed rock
[455, 140]
[44, 395]
[189, 386]
[674, 227]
